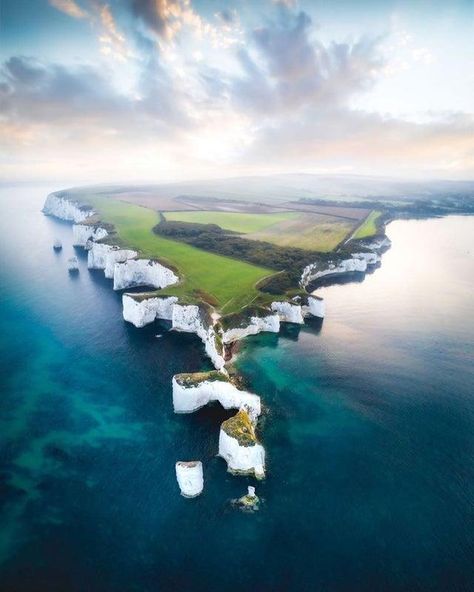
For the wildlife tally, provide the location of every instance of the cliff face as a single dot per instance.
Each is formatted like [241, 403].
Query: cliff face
[188, 318]
[316, 271]
[255, 325]
[288, 312]
[316, 307]
[65, 209]
[83, 234]
[102, 256]
[142, 272]
[143, 312]
[189, 397]
[239, 447]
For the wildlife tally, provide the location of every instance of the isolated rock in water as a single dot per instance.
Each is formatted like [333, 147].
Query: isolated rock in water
[72, 264]
[239, 447]
[62, 208]
[288, 312]
[141, 311]
[193, 391]
[142, 272]
[190, 477]
[57, 245]
[83, 233]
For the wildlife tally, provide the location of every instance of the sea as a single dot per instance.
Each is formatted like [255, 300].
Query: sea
[368, 426]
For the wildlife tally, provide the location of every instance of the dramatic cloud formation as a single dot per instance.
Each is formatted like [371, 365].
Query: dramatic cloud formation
[175, 93]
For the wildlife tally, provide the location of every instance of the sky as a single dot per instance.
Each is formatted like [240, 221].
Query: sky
[163, 90]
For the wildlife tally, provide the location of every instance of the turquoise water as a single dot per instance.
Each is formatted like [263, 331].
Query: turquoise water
[368, 429]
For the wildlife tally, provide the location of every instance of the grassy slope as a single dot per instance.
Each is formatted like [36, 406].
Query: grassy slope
[369, 226]
[238, 222]
[229, 282]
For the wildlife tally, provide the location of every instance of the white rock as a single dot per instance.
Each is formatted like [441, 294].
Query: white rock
[242, 459]
[369, 257]
[190, 478]
[97, 254]
[316, 307]
[83, 233]
[145, 311]
[270, 323]
[142, 272]
[187, 318]
[288, 312]
[187, 399]
[318, 270]
[117, 256]
[65, 209]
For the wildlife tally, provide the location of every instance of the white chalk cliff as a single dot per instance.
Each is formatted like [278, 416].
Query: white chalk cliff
[239, 447]
[288, 312]
[84, 233]
[190, 477]
[66, 209]
[142, 311]
[142, 272]
[103, 256]
[191, 394]
[316, 307]
[318, 270]
[188, 318]
[270, 323]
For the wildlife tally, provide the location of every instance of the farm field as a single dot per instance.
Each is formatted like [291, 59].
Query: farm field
[369, 226]
[314, 232]
[237, 222]
[225, 282]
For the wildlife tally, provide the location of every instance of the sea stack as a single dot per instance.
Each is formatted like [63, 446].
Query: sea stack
[190, 477]
[239, 447]
[57, 245]
[72, 265]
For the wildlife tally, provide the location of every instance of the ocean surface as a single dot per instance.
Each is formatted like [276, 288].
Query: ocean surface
[368, 429]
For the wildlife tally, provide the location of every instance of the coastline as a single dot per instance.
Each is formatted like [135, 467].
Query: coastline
[220, 334]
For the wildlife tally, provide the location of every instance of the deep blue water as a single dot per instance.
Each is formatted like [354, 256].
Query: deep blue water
[368, 430]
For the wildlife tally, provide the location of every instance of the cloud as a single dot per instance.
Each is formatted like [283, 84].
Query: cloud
[286, 70]
[70, 8]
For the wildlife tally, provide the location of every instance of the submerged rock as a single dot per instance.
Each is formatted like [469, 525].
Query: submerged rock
[190, 477]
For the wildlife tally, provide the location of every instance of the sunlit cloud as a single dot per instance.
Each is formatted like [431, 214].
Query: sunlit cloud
[70, 8]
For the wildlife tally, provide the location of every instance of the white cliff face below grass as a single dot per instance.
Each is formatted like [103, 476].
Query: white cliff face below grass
[102, 256]
[288, 312]
[187, 399]
[190, 478]
[270, 323]
[83, 234]
[146, 311]
[245, 460]
[65, 209]
[142, 272]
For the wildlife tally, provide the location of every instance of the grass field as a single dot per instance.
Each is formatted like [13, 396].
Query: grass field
[369, 226]
[238, 222]
[226, 282]
[315, 232]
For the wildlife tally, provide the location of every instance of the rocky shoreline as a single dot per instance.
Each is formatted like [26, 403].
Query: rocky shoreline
[238, 443]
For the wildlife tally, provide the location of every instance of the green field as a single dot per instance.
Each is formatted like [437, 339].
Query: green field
[368, 226]
[315, 232]
[236, 221]
[225, 282]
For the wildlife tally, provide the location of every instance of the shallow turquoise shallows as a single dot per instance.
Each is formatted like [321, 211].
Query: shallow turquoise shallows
[368, 428]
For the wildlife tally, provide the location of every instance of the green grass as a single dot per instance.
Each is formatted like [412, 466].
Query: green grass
[227, 283]
[236, 221]
[368, 226]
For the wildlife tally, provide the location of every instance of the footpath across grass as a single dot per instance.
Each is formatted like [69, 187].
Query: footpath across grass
[227, 283]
